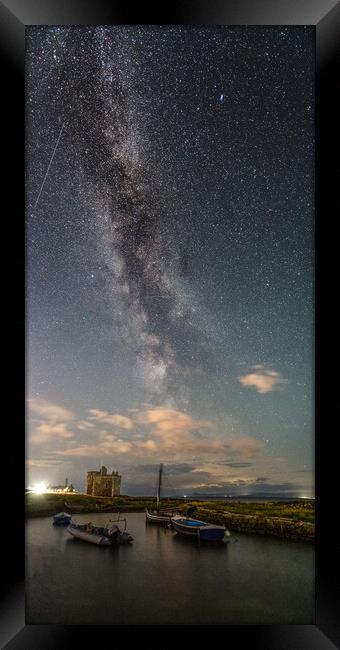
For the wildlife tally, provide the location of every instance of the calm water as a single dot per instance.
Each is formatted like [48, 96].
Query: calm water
[164, 579]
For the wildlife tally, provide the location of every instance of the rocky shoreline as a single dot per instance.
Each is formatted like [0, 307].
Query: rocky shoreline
[275, 526]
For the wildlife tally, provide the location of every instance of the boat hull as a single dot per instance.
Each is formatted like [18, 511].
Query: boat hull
[108, 536]
[198, 529]
[155, 518]
[62, 519]
[99, 540]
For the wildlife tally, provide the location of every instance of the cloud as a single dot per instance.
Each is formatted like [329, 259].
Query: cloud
[167, 421]
[180, 434]
[50, 411]
[203, 481]
[246, 447]
[112, 445]
[111, 418]
[108, 448]
[173, 469]
[96, 414]
[43, 462]
[83, 425]
[238, 465]
[163, 433]
[52, 422]
[80, 451]
[47, 431]
[264, 381]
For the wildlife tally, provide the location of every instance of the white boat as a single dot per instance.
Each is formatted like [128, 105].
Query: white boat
[108, 535]
[80, 532]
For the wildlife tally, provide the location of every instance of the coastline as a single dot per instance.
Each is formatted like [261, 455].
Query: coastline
[292, 520]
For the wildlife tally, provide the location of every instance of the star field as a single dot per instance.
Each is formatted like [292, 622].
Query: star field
[170, 249]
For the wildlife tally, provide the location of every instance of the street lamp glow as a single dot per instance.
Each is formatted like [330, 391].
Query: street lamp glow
[39, 488]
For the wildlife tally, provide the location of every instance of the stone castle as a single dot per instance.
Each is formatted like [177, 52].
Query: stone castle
[101, 484]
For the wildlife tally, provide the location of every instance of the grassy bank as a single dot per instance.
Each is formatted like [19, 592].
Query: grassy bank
[286, 520]
[40, 505]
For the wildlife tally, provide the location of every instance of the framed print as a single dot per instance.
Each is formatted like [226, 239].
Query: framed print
[173, 182]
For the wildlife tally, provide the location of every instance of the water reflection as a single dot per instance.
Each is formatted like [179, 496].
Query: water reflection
[163, 578]
[200, 545]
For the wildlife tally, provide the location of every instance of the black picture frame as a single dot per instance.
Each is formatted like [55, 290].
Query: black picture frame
[14, 16]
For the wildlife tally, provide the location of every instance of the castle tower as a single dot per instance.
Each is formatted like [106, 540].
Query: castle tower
[89, 482]
[100, 483]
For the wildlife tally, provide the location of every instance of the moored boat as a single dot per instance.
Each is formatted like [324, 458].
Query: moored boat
[62, 519]
[158, 515]
[109, 535]
[200, 530]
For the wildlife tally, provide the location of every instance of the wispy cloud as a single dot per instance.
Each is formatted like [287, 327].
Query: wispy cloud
[238, 465]
[49, 410]
[155, 432]
[262, 380]
[246, 447]
[84, 425]
[111, 418]
[167, 421]
[47, 431]
[165, 433]
[107, 446]
[52, 422]
[149, 433]
[45, 462]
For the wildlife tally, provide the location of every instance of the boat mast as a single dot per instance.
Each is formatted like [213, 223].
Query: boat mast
[159, 485]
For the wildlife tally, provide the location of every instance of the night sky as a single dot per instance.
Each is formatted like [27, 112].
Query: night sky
[170, 254]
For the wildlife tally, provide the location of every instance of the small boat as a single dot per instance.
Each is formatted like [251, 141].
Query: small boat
[109, 535]
[155, 517]
[62, 519]
[159, 516]
[198, 529]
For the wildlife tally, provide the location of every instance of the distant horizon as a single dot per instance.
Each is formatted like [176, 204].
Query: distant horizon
[210, 495]
[181, 494]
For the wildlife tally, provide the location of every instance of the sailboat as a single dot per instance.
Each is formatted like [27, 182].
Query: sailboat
[158, 516]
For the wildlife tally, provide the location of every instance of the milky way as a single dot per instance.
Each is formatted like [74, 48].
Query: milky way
[170, 234]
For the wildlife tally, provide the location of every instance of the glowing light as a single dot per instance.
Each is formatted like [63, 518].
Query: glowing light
[39, 488]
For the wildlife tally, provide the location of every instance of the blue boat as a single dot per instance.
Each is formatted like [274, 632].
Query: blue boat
[198, 529]
[62, 519]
